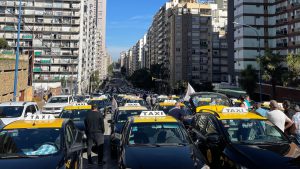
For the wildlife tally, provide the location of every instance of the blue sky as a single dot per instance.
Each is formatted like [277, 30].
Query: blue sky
[127, 22]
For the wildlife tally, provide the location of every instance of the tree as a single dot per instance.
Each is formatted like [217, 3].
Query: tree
[123, 70]
[142, 79]
[156, 70]
[293, 64]
[95, 80]
[272, 69]
[110, 69]
[248, 80]
[4, 44]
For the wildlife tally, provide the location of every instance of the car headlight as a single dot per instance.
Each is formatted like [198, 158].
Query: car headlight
[205, 167]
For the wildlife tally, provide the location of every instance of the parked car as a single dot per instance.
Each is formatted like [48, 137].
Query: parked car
[12, 111]
[56, 104]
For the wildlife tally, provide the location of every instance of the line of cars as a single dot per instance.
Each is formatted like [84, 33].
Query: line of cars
[217, 135]
[51, 138]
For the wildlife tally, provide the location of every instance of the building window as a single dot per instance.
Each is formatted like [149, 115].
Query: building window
[177, 49]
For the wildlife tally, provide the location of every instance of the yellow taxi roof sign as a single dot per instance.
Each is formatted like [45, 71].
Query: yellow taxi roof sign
[152, 114]
[132, 104]
[40, 117]
[170, 101]
[81, 107]
[234, 110]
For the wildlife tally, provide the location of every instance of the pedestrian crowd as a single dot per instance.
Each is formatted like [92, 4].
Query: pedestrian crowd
[285, 117]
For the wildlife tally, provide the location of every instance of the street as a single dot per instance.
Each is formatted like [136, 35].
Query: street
[110, 163]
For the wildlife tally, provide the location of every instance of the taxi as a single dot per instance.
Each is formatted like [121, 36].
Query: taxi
[155, 140]
[167, 105]
[76, 113]
[118, 120]
[101, 102]
[162, 98]
[266, 105]
[236, 138]
[209, 101]
[134, 99]
[41, 141]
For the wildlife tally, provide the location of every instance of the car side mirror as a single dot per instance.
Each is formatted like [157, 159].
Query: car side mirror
[213, 138]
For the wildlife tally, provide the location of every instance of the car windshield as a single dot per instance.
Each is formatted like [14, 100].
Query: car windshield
[157, 134]
[99, 103]
[124, 115]
[210, 99]
[29, 142]
[11, 111]
[58, 100]
[75, 115]
[253, 131]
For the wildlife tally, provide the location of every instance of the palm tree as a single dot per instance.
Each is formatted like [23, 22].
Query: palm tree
[248, 80]
[272, 69]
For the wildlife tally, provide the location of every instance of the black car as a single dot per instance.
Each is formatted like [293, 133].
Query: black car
[38, 144]
[117, 122]
[243, 140]
[160, 143]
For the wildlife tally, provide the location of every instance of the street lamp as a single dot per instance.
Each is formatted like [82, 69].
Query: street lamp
[259, 53]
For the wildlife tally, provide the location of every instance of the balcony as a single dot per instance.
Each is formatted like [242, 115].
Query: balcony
[281, 44]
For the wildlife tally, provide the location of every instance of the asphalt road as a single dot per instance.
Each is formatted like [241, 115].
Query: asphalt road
[110, 163]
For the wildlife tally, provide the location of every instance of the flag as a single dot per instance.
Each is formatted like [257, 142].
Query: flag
[190, 90]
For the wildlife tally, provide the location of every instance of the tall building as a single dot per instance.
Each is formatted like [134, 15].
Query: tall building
[190, 43]
[49, 32]
[60, 36]
[276, 23]
[101, 20]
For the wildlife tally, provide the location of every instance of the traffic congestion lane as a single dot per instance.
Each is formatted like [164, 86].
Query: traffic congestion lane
[110, 163]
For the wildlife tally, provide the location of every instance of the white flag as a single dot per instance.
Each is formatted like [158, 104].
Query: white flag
[190, 90]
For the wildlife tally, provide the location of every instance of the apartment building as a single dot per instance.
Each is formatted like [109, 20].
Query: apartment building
[190, 39]
[276, 23]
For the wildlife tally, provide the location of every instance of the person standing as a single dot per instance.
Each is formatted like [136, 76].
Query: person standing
[288, 111]
[277, 117]
[94, 123]
[296, 120]
[177, 112]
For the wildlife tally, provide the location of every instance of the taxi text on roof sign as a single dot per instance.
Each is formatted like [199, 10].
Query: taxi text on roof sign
[152, 114]
[170, 101]
[234, 110]
[132, 104]
[40, 117]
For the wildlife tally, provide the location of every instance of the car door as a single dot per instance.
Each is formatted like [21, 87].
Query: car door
[73, 159]
[214, 143]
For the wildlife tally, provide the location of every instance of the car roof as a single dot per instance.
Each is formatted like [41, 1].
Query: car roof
[132, 108]
[165, 119]
[217, 111]
[79, 107]
[33, 124]
[16, 103]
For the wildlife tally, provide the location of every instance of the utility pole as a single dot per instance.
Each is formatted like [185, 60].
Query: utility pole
[17, 54]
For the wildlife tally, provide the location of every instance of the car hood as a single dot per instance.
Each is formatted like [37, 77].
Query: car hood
[266, 156]
[6, 121]
[49, 105]
[49, 162]
[171, 157]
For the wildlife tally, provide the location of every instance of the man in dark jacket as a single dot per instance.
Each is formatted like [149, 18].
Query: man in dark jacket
[177, 112]
[94, 123]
